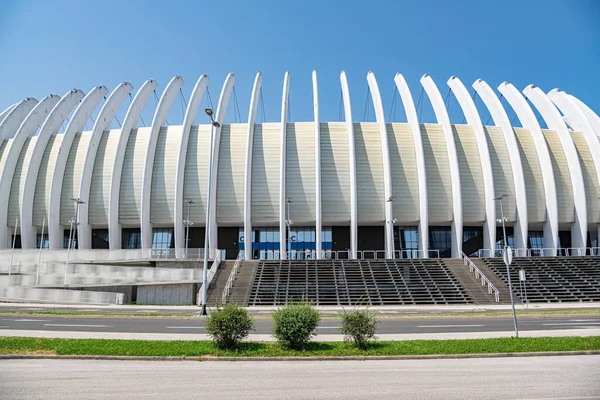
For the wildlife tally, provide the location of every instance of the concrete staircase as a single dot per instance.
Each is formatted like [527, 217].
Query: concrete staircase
[240, 292]
[478, 293]
[218, 284]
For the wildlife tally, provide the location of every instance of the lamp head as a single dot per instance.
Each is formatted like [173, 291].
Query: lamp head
[208, 111]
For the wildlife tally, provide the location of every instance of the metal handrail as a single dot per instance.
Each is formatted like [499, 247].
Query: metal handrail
[360, 254]
[231, 279]
[480, 275]
[542, 252]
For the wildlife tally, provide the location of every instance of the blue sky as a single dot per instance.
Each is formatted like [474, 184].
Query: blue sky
[53, 46]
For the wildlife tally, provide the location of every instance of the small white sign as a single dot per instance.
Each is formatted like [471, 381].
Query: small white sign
[507, 255]
[522, 275]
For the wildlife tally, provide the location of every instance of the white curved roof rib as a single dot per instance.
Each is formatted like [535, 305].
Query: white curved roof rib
[51, 126]
[472, 117]
[76, 124]
[188, 120]
[413, 121]
[555, 122]
[211, 209]
[103, 121]
[579, 122]
[387, 169]
[131, 118]
[40, 113]
[282, 162]
[589, 113]
[500, 118]
[529, 121]
[4, 113]
[160, 116]
[352, 166]
[318, 213]
[441, 115]
[14, 116]
[248, 172]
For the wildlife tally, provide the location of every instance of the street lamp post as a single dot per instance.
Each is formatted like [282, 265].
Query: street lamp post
[187, 223]
[74, 223]
[507, 256]
[289, 223]
[390, 241]
[214, 124]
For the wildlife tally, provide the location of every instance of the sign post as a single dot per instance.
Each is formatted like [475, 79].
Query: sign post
[508, 256]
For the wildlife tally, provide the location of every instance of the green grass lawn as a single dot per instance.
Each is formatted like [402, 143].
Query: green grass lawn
[18, 345]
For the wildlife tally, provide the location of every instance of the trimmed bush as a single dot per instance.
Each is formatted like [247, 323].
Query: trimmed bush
[228, 325]
[295, 324]
[359, 327]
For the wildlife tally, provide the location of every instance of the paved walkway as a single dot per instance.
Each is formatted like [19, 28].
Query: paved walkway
[321, 338]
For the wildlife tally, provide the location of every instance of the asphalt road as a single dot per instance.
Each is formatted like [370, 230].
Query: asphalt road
[196, 310]
[194, 325]
[563, 377]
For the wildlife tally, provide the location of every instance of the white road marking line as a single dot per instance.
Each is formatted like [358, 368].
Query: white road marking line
[573, 323]
[4, 326]
[328, 327]
[584, 320]
[79, 325]
[265, 312]
[447, 326]
[30, 320]
[388, 312]
[185, 327]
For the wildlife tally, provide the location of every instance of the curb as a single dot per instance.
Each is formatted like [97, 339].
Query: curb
[295, 358]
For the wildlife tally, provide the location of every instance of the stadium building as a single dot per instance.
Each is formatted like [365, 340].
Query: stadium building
[319, 189]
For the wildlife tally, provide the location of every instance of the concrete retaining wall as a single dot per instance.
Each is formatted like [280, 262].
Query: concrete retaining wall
[182, 294]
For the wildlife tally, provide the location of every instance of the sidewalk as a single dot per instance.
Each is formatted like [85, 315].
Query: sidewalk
[318, 338]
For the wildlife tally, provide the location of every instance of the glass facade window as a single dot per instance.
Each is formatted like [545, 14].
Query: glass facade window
[162, 238]
[100, 239]
[472, 232]
[131, 238]
[440, 238]
[406, 241]
[45, 242]
[302, 242]
[536, 239]
[69, 235]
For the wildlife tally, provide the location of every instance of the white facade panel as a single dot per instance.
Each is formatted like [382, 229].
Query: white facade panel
[369, 174]
[532, 170]
[300, 172]
[265, 175]
[72, 177]
[18, 183]
[163, 176]
[439, 185]
[100, 186]
[590, 178]
[471, 176]
[196, 172]
[335, 174]
[131, 177]
[502, 170]
[230, 178]
[405, 182]
[41, 199]
[562, 178]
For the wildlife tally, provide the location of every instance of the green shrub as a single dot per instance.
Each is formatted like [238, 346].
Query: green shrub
[228, 325]
[295, 324]
[359, 326]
